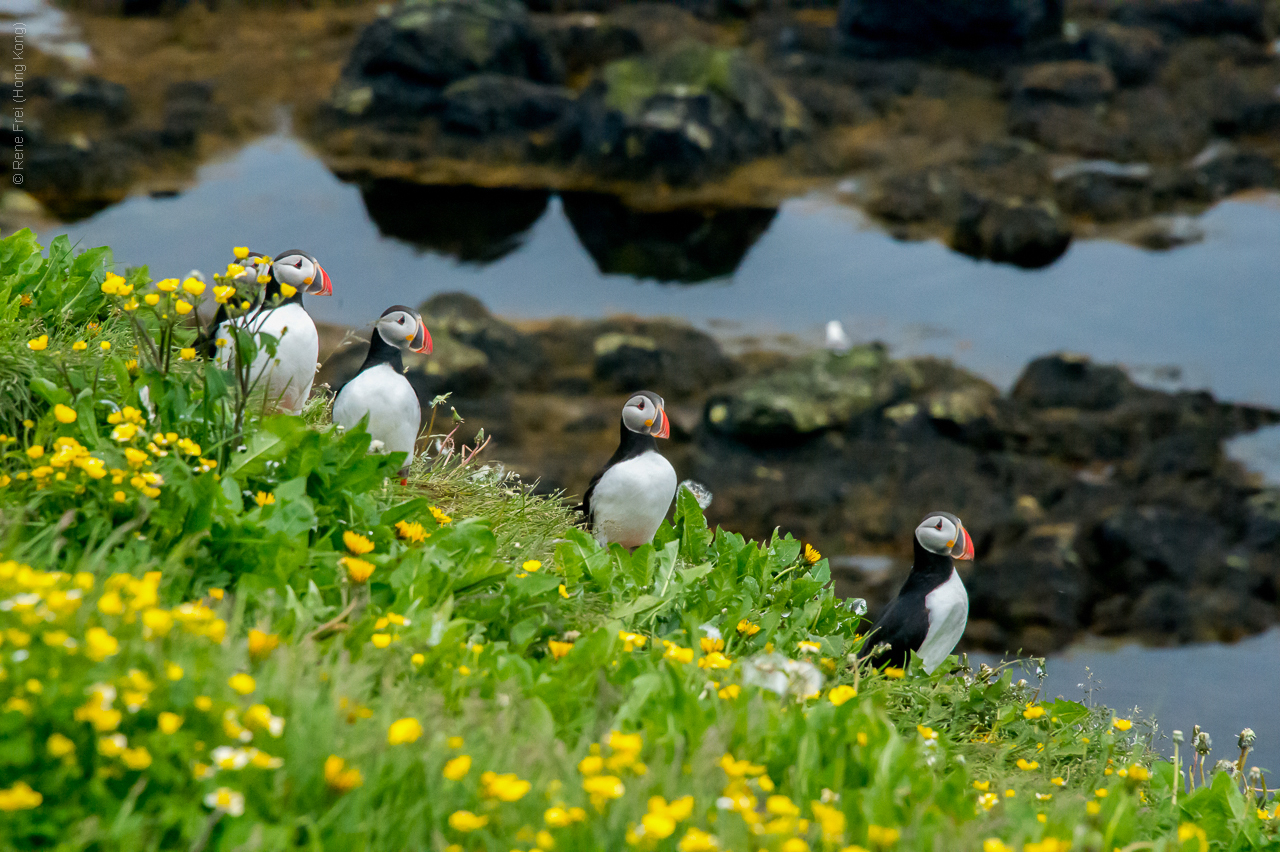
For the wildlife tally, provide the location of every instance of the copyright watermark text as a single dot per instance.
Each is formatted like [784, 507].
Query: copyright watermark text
[19, 102]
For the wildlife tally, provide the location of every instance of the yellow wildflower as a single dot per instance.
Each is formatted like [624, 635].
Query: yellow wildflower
[677, 653]
[879, 836]
[811, 554]
[1027, 765]
[714, 660]
[842, 693]
[457, 768]
[411, 531]
[406, 730]
[1122, 724]
[38, 344]
[242, 683]
[262, 498]
[1033, 711]
[559, 649]
[339, 778]
[262, 644]
[506, 787]
[64, 414]
[466, 821]
[746, 628]
[356, 543]
[730, 692]
[357, 569]
[60, 746]
[441, 517]
[168, 723]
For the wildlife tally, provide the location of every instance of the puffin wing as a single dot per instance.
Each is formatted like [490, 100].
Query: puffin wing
[585, 508]
[903, 628]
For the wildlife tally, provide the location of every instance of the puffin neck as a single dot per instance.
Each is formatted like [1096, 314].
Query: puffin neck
[271, 293]
[929, 568]
[632, 445]
[382, 352]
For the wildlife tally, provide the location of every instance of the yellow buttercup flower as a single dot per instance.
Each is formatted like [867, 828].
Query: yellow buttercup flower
[60, 746]
[1027, 765]
[79, 346]
[262, 498]
[880, 836]
[730, 692]
[338, 777]
[1033, 711]
[38, 344]
[1122, 724]
[194, 286]
[168, 723]
[182, 306]
[457, 768]
[746, 628]
[466, 821]
[242, 683]
[187, 353]
[357, 569]
[559, 649]
[891, 672]
[64, 414]
[406, 730]
[261, 644]
[842, 693]
[105, 346]
[167, 285]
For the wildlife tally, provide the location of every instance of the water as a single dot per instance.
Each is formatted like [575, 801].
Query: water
[1222, 688]
[1201, 316]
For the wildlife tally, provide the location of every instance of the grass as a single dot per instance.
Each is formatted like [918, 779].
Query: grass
[275, 645]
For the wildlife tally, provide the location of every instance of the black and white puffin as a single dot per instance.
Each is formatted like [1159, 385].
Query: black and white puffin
[627, 500]
[380, 390]
[286, 378]
[930, 612]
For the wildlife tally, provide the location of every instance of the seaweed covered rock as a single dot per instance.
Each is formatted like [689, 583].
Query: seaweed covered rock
[685, 114]
[403, 62]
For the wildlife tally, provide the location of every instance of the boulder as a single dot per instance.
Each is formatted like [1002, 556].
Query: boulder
[588, 41]
[1223, 169]
[516, 361]
[903, 199]
[818, 392]
[1196, 17]
[928, 26]
[495, 103]
[1071, 381]
[1022, 233]
[403, 62]
[1133, 54]
[1104, 190]
[686, 245]
[1073, 82]
[90, 94]
[685, 114]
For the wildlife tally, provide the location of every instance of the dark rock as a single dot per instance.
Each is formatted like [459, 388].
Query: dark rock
[830, 104]
[492, 103]
[685, 114]
[1051, 585]
[90, 94]
[1103, 190]
[1072, 82]
[75, 181]
[189, 110]
[471, 223]
[1071, 381]
[909, 198]
[1196, 17]
[516, 360]
[1223, 169]
[926, 26]
[1141, 546]
[402, 63]
[1161, 233]
[1133, 54]
[588, 41]
[1023, 234]
[687, 245]
[1161, 613]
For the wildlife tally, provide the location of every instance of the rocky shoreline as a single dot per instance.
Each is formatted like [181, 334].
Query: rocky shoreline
[1096, 506]
[1005, 134]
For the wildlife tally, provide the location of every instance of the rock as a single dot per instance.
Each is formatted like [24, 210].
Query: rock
[494, 103]
[1071, 381]
[686, 245]
[90, 94]
[74, 180]
[1165, 232]
[927, 26]
[588, 41]
[189, 110]
[909, 198]
[1022, 233]
[830, 104]
[516, 360]
[1103, 190]
[685, 114]
[1133, 54]
[1081, 130]
[402, 63]
[1223, 169]
[819, 392]
[1073, 82]
[474, 224]
[1196, 18]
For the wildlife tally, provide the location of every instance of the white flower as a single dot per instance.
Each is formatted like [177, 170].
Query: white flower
[781, 675]
[275, 726]
[226, 757]
[227, 800]
[376, 446]
[105, 693]
[712, 631]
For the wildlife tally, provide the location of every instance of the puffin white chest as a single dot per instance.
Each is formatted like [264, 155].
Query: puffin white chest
[286, 377]
[632, 498]
[948, 607]
[388, 398]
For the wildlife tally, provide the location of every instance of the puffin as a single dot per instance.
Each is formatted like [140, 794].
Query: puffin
[285, 379]
[629, 497]
[931, 610]
[379, 389]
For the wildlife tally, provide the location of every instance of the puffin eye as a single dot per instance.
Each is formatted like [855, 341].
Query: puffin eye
[641, 405]
[401, 320]
[939, 526]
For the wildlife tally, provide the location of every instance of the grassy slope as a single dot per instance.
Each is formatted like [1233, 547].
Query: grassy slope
[460, 697]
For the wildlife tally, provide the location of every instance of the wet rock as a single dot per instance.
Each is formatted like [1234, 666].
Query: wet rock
[1166, 232]
[1073, 82]
[1133, 54]
[1223, 169]
[1081, 130]
[494, 103]
[588, 41]
[1196, 17]
[474, 224]
[830, 104]
[926, 26]
[90, 94]
[1025, 234]
[402, 63]
[688, 245]
[819, 392]
[909, 198]
[515, 359]
[685, 114]
[1071, 381]
[1103, 190]
[74, 180]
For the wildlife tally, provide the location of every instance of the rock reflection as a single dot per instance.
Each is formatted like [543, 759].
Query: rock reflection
[687, 245]
[474, 224]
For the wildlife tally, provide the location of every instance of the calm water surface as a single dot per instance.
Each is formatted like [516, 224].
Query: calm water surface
[1200, 316]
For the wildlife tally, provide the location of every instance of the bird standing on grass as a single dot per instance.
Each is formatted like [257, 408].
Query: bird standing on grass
[284, 378]
[627, 500]
[930, 612]
[380, 391]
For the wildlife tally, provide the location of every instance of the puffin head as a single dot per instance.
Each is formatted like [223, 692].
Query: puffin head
[943, 534]
[401, 327]
[646, 413]
[302, 272]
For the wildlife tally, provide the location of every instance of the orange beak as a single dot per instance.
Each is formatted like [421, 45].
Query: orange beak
[324, 287]
[422, 340]
[965, 546]
[664, 427]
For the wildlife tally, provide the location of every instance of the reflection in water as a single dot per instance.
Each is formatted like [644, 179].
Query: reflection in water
[474, 224]
[688, 245]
